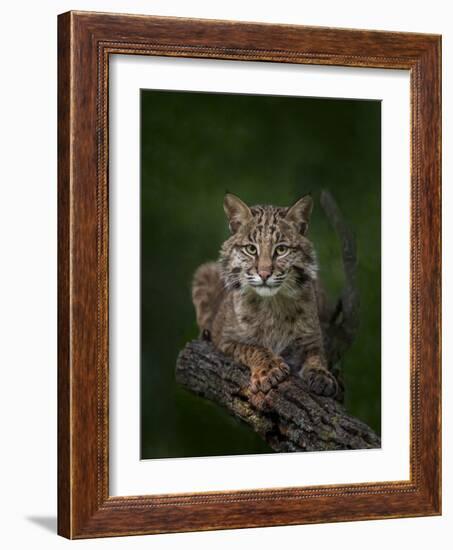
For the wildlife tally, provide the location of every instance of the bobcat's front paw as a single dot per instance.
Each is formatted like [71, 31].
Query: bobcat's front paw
[266, 377]
[320, 381]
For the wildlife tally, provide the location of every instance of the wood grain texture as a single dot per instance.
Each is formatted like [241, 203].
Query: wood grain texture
[85, 42]
[64, 369]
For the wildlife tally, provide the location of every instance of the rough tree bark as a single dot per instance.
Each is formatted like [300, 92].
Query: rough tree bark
[289, 418]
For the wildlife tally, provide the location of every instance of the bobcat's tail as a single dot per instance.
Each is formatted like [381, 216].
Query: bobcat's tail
[343, 323]
[207, 290]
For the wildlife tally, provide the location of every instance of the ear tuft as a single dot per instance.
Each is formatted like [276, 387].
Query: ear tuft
[237, 212]
[300, 212]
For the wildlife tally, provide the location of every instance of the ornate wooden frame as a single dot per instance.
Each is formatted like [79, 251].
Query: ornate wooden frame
[85, 42]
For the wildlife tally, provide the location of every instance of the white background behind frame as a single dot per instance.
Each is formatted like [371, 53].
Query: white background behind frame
[128, 474]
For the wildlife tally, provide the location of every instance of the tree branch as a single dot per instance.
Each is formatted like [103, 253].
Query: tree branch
[288, 418]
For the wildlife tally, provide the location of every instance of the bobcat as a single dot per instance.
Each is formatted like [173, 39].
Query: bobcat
[260, 302]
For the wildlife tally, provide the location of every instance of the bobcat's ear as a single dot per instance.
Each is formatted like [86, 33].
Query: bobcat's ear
[299, 213]
[237, 212]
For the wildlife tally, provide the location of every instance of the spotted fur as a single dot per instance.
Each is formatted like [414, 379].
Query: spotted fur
[260, 303]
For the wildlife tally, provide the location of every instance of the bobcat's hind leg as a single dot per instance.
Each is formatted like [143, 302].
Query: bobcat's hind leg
[206, 291]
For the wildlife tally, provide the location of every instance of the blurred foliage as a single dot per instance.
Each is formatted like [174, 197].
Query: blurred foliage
[195, 146]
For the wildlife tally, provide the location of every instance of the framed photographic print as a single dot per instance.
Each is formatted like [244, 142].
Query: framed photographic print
[249, 275]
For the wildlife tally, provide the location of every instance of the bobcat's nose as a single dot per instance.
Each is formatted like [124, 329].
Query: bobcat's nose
[264, 274]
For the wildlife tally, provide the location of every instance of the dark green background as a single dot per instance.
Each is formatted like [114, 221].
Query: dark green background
[195, 146]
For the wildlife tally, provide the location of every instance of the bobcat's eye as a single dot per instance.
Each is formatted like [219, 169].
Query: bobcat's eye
[281, 249]
[251, 249]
